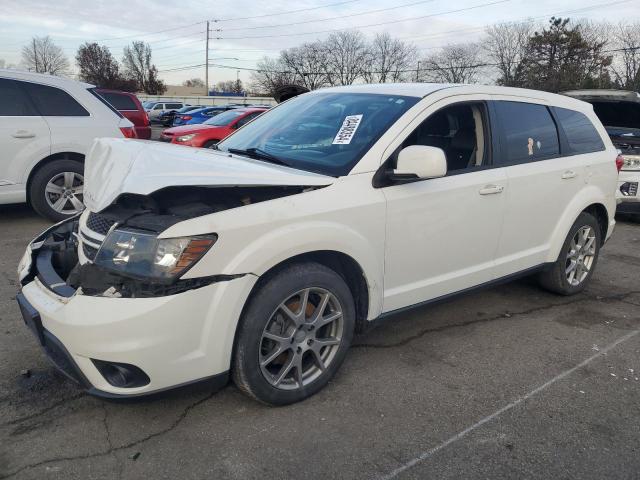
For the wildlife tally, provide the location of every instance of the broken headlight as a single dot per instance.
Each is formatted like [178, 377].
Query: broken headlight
[140, 254]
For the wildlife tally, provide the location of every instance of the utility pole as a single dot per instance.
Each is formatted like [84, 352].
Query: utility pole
[206, 71]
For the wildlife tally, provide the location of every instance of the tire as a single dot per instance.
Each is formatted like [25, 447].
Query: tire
[301, 348]
[210, 143]
[558, 278]
[58, 174]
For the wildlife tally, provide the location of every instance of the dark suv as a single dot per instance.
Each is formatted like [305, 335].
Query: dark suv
[619, 112]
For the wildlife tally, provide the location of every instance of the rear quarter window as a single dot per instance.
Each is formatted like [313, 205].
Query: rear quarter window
[54, 102]
[119, 101]
[527, 133]
[14, 101]
[582, 136]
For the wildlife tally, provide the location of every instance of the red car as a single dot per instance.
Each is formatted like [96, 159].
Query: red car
[131, 108]
[213, 130]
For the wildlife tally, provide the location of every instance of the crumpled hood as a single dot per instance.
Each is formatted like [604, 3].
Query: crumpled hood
[114, 166]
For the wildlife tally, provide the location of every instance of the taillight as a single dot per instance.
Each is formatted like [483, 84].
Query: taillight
[619, 162]
[145, 120]
[128, 132]
[187, 117]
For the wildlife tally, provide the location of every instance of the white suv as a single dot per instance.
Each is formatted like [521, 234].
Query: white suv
[337, 207]
[47, 125]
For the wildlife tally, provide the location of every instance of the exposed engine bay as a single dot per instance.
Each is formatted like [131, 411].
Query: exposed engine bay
[59, 266]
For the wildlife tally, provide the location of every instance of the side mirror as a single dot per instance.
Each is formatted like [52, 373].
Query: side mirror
[420, 161]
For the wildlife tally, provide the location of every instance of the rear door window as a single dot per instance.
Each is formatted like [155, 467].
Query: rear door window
[173, 106]
[582, 136]
[54, 102]
[119, 101]
[527, 133]
[14, 101]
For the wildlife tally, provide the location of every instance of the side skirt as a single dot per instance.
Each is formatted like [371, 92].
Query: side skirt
[434, 301]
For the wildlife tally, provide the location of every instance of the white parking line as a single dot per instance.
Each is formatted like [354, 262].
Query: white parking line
[425, 455]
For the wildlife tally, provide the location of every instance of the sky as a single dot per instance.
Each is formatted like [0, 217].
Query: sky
[244, 31]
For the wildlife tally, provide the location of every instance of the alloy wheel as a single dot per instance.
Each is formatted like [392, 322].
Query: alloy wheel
[301, 338]
[64, 193]
[581, 254]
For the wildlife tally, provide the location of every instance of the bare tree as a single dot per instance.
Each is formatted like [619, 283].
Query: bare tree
[194, 83]
[388, 59]
[345, 56]
[506, 46]
[230, 86]
[307, 64]
[453, 64]
[270, 75]
[43, 56]
[137, 64]
[626, 62]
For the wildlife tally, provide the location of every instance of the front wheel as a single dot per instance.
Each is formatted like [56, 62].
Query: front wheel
[577, 261]
[56, 190]
[294, 334]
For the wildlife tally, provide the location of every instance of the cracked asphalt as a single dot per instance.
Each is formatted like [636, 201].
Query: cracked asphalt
[509, 382]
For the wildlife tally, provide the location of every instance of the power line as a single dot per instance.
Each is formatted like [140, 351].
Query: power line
[317, 20]
[371, 25]
[284, 13]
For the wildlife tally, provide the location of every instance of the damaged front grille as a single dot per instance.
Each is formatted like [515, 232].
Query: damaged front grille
[99, 223]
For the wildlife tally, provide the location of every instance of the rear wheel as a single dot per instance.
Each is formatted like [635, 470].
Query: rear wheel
[578, 257]
[56, 190]
[294, 334]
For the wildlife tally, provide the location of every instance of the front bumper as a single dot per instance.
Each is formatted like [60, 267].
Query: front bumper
[174, 339]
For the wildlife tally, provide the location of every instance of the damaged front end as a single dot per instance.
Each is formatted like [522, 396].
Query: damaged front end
[117, 252]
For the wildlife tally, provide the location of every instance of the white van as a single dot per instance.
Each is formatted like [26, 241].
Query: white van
[259, 260]
[47, 125]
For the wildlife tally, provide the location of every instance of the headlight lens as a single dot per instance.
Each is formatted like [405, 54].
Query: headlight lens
[140, 254]
[185, 138]
[631, 162]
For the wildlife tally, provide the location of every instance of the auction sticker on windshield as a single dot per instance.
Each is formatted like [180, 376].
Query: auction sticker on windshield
[347, 130]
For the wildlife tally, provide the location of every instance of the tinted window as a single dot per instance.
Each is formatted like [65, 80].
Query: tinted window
[119, 101]
[618, 114]
[158, 106]
[582, 136]
[247, 119]
[13, 101]
[528, 132]
[459, 131]
[224, 118]
[173, 106]
[53, 102]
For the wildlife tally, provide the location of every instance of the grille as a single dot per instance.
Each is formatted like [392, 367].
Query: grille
[89, 251]
[98, 223]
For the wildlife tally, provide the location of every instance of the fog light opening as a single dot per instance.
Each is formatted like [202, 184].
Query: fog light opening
[121, 375]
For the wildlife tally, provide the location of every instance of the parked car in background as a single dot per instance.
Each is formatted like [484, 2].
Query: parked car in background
[156, 109]
[166, 117]
[200, 115]
[213, 130]
[619, 111]
[131, 108]
[335, 208]
[47, 125]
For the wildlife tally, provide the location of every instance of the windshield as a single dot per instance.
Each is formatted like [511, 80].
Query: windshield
[187, 109]
[323, 132]
[224, 118]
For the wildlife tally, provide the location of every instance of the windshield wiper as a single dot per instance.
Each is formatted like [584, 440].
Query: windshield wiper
[258, 154]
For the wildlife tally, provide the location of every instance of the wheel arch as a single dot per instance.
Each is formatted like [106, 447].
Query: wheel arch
[78, 157]
[341, 263]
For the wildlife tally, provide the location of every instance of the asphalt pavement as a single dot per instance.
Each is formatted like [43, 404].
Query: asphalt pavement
[509, 382]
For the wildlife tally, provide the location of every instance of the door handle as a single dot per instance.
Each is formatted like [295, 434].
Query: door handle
[491, 189]
[23, 134]
[568, 174]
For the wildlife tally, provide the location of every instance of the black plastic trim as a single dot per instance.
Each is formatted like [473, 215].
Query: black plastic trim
[48, 276]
